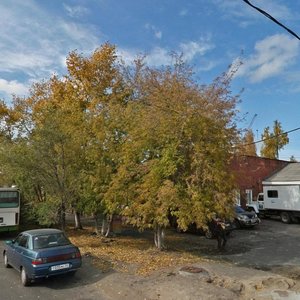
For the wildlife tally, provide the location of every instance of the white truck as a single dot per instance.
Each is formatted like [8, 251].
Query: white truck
[278, 200]
[256, 204]
[281, 194]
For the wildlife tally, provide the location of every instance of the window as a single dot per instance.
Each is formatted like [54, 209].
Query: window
[9, 199]
[237, 197]
[248, 196]
[22, 241]
[272, 194]
[50, 240]
[18, 239]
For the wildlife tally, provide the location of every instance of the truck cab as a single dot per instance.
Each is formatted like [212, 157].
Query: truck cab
[256, 204]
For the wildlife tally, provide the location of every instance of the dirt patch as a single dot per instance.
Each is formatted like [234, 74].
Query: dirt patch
[190, 268]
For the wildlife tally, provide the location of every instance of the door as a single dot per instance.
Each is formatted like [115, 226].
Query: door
[20, 250]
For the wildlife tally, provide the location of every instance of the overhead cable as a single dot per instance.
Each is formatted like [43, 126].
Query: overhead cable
[272, 137]
[272, 18]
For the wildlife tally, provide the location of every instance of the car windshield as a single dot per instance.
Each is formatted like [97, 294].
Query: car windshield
[238, 209]
[50, 240]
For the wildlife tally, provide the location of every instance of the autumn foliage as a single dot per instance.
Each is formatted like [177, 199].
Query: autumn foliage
[149, 144]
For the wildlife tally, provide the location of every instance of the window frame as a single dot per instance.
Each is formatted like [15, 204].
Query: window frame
[272, 193]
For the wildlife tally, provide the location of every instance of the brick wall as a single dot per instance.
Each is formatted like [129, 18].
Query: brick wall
[250, 171]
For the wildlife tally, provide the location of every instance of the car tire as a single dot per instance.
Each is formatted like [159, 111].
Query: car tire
[285, 217]
[5, 260]
[24, 278]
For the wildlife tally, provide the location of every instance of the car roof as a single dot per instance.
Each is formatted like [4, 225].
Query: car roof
[42, 231]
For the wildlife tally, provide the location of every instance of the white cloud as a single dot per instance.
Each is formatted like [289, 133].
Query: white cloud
[246, 14]
[159, 56]
[157, 33]
[277, 10]
[156, 57]
[35, 43]
[192, 49]
[272, 56]
[128, 55]
[8, 88]
[75, 11]
[183, 12]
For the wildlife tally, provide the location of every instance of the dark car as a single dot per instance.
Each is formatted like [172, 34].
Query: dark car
[245, 218]
[41, 253]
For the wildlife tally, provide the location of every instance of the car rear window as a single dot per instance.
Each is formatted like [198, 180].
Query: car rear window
[50, 240]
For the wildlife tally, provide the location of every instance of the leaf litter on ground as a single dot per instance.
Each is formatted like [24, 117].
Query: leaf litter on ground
[135, 252]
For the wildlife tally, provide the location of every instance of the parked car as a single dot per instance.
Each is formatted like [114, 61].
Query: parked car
[207, 232]
[41, 253]
[245, 218]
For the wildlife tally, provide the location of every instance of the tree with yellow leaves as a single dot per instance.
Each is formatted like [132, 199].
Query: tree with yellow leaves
[273, 141]
[176, 154]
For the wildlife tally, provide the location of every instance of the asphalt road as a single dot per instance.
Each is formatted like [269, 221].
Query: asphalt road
[271, 246]
[84, 285]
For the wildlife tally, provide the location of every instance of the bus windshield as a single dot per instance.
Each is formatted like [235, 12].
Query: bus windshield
[9, 199]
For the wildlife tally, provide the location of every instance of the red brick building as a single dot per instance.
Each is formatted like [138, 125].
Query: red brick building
[250, 171]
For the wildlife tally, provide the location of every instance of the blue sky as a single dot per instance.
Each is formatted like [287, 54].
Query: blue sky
[36, 36]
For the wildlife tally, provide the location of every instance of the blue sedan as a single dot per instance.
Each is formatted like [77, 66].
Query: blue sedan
[41, 253]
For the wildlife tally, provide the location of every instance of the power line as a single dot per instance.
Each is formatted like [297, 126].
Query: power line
[272, 137]
[272, 18]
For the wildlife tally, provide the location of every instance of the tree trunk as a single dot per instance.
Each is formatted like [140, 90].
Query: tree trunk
[109, 223]
[97, 225]
[159, 237]
[78, 224]
[104, 225]
[63, 215]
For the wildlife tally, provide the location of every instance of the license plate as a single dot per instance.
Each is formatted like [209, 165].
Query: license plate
[60, 267]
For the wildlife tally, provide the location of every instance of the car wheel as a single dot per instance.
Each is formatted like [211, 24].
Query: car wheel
[24, 278]
[285, 217]
[6, 264]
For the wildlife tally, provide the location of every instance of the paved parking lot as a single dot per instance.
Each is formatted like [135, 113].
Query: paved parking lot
[271, 246]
